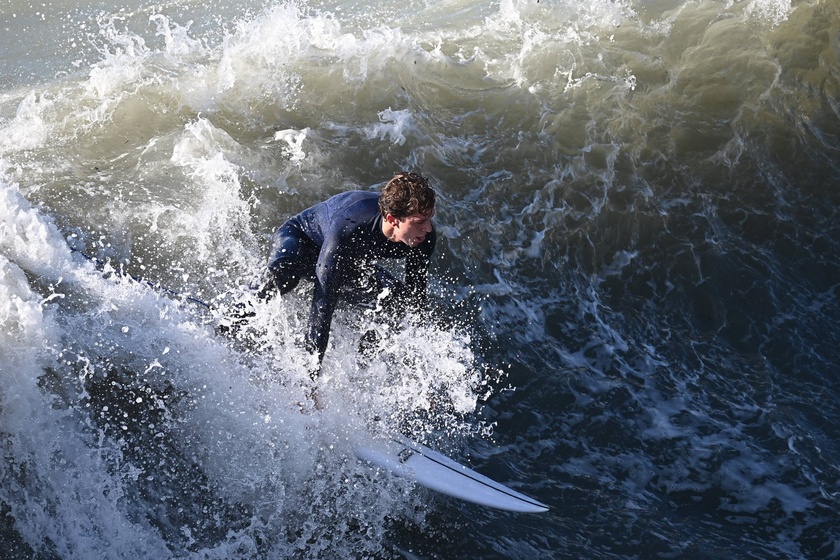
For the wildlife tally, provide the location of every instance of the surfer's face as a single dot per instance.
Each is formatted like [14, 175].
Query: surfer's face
[411, 230]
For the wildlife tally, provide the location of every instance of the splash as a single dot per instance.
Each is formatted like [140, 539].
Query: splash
[173, 442]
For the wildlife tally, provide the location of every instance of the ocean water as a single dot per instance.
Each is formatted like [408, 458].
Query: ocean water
[636, 288]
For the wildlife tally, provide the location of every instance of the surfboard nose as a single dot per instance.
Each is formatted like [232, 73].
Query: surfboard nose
[430, 469]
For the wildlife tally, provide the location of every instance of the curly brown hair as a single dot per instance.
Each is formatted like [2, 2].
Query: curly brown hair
[406, 194]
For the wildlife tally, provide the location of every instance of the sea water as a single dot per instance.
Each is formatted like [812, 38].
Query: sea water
[635, 291]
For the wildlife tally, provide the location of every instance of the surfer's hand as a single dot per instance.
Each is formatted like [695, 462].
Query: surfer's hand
[311, 401]
[313, 397]
[237, 318]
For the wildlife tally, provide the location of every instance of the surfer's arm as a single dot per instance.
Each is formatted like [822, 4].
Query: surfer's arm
[417, 273]
[328, 275]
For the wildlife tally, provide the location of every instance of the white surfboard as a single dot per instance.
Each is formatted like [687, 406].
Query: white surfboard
[428, 468]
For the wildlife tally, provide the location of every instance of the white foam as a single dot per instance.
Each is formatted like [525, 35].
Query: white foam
[393, 125]
[294, 142]
[773, 11]
[56, 479]
[30, 239]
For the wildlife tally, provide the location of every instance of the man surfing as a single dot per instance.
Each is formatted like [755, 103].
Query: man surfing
[336, 243]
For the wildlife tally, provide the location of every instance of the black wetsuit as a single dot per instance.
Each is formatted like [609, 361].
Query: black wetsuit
[335, 244]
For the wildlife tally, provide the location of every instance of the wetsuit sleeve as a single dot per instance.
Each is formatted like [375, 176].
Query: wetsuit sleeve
[417, 271]
[329, 273]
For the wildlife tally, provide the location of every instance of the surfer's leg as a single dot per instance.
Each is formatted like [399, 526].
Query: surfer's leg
[293, 259]
[385, 294]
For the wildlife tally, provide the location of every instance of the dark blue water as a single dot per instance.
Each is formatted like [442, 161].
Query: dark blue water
[637, 273]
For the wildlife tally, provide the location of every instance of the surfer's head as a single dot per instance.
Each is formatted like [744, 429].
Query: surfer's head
[407, 204]
[407, 194]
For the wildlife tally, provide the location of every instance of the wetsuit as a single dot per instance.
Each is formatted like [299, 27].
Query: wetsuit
[335, 244]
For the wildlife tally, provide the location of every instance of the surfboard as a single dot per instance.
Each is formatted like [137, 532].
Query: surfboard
[435, 471]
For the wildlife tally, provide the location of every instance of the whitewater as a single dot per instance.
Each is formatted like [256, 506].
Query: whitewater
[635, 291]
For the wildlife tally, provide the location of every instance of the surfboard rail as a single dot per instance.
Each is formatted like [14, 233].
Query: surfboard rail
[430, 469]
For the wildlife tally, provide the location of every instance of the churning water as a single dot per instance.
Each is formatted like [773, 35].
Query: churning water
[637, 277]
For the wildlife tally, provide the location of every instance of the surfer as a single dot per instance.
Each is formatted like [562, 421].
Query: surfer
[336, 243]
